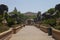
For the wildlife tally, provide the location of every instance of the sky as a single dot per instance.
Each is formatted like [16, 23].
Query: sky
[30, 5]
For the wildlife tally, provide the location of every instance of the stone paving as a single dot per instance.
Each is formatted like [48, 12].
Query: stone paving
[31, 33]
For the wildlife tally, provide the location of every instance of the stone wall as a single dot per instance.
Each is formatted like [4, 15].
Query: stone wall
[56, 34]
[6, 35]
[44, 29]
[16, 29]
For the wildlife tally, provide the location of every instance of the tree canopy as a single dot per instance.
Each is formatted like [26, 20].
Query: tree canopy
[3, 8]
[57, 7]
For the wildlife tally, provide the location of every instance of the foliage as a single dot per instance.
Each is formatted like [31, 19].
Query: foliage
[17, 16]
[39, 16]
[57, 7]
[3, 28]
[3, 8]
[57, 15]
[51, 22]
[10, 21]
[11, 17]
[46, 15]
[57, 27]
[51, 10]
[1, 18]
[23, 18]
[51, 19]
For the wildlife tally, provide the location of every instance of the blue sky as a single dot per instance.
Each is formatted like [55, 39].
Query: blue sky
[30, 5]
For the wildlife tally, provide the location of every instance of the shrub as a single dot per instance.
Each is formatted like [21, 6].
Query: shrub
[10, 22]
[3, 28]
[57, 27]
[51, 22]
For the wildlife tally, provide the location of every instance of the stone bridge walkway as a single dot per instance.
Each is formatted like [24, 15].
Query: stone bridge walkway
[31, 33]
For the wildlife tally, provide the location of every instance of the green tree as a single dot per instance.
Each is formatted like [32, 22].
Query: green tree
[39, 16]
[3, 8]
[57, 7]
[51, 10]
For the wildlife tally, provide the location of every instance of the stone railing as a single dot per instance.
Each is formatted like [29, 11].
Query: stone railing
[44, 29]
[6, 35]
[41, 27]
[16, 29]
[37, 25]
[56, 34]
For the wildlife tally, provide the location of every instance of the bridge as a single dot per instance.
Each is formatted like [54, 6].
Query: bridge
[31, 33]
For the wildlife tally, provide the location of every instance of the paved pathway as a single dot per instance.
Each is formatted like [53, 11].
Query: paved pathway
[31, 33]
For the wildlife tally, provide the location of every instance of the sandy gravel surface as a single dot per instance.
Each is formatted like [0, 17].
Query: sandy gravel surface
[31, 33]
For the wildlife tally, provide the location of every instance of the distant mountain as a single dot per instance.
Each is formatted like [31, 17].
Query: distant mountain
[30, 13]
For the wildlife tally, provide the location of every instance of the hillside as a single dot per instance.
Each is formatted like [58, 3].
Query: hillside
[30, 13]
